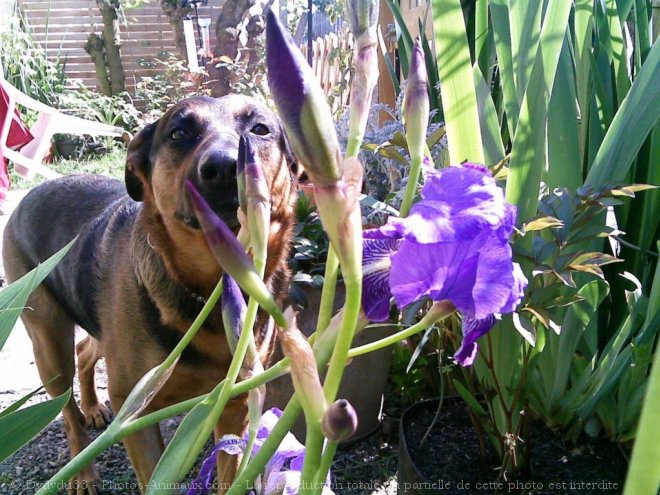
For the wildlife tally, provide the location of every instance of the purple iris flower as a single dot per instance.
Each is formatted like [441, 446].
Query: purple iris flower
[453, 246]
[275, 479]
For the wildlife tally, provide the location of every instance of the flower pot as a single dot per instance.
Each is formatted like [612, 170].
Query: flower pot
[69, 147]
[450, 463]
[364, 379]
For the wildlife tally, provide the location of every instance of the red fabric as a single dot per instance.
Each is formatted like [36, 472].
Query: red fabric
[19, 135]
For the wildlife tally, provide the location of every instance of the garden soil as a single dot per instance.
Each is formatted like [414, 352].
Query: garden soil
[450, 458]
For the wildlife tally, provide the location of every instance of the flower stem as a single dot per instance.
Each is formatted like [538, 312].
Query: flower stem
[237, 361]
[85, 457]
[326, 461]
[196, 325]
[353, 145]
[349, 321]
[328, 292]
[411, 186]
[429, 319]
[311, 464]
[275, 437]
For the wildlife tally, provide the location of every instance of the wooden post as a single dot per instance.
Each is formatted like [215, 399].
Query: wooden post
[385, 86]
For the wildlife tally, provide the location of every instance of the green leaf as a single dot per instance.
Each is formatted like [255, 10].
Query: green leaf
[576, 320]
[14, 297]
[388, 63]
[17, 405]
[432, 73]
[564, 164]
[529, 142]
[525, 327]
[618, 50]
[499, 11]
[459, 101]
[630, 126]
[541, 223]
[19, 427]
[583, 32]
[525, 24]
[184, 448]
[406, 41]
[490, 128]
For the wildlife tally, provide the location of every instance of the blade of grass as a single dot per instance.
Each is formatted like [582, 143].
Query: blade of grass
[525, 22]
[643, 473]
[630, 126]
[490, 129]
[583, 32]
[529, 142]
[405, 40]
[481, 37]
[564, 166]
[499, 11]
[618, 47]
[459, 101]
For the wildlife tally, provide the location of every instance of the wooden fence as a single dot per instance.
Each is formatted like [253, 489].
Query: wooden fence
[62, 27]
[326, 65]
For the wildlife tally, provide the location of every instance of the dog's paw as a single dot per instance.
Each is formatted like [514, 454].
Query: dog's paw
[96, 415]
[85, 482]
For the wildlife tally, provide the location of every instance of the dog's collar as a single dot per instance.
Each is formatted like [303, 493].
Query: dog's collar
[194, 295]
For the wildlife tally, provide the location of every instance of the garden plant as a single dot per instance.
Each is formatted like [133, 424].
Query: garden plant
[511, 245]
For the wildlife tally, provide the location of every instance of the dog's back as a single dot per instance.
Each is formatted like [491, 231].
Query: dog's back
[50, 216]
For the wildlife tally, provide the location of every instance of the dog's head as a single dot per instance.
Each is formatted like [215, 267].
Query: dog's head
[197, 139]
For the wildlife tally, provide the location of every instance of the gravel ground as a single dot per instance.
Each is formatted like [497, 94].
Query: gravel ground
[365, 467]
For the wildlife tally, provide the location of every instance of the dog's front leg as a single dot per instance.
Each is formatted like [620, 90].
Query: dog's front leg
[144, 450]
[233, 421]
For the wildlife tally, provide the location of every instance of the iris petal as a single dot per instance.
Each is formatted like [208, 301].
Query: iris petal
[494, 282]
[376, 277]
[458, 203]
[472, 330]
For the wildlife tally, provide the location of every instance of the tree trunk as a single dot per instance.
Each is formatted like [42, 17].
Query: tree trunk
[226, 33]
[176, 15]
[94, 47]
[109, 10]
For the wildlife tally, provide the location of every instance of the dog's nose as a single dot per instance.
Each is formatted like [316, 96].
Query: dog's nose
[218, 169]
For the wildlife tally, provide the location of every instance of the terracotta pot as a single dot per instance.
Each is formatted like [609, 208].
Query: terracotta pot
[364, 379]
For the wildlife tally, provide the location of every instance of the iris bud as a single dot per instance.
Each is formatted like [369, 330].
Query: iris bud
[416, 103]
[340, 421]
[302, 106]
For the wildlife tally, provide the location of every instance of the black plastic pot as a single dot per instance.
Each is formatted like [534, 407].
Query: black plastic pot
[410, 480]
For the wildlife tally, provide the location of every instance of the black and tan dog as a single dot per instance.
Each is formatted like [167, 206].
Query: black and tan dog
[137, 275]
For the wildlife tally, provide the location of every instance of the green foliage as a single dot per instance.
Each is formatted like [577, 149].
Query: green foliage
[19, 426]
[116, 110]
[529, 67]
[310, 249]
[26, 66]
[172, 84]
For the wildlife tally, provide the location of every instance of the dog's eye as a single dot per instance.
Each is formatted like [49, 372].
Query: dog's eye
[177, 134]
[260, 130]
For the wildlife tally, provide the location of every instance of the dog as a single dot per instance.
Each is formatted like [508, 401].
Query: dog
[141, 269]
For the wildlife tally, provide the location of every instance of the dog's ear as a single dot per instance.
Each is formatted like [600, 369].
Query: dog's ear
[138, 162]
